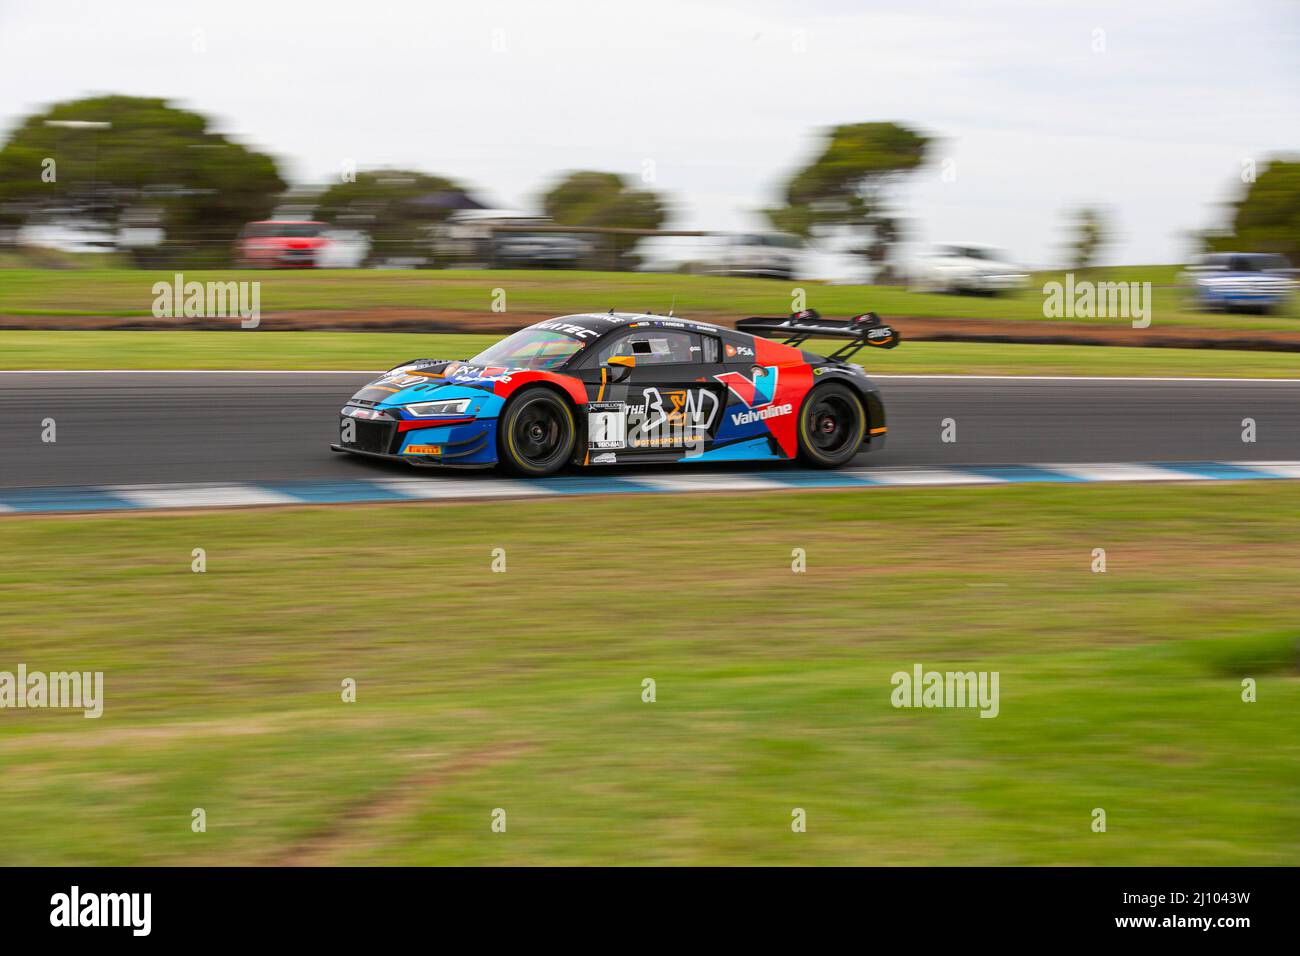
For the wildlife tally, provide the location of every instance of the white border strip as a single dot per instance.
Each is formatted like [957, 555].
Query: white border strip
[440, 488]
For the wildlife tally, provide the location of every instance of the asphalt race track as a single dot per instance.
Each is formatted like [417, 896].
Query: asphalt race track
[156, 427]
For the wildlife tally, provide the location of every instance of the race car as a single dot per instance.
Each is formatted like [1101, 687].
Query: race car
[626, 388]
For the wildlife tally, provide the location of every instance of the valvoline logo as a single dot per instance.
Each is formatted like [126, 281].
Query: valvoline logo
[754, 392]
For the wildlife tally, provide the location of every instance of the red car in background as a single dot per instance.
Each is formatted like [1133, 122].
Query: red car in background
[275, 243]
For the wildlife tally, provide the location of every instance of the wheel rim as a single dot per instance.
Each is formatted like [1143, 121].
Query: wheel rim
[831, 424]
[538, 433]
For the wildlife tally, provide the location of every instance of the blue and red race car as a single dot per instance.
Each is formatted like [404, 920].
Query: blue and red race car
[600, 389]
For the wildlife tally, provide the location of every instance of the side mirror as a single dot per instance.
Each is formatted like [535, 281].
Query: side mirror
[620, 366]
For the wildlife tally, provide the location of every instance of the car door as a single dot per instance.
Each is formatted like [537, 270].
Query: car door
[664, 405]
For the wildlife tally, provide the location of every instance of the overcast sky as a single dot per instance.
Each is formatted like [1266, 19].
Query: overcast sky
[1147, 107]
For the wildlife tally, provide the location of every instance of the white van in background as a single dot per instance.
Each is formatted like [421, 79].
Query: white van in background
[967, 267]
[772, 255]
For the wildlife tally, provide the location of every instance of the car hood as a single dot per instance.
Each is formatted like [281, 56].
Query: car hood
[426, 380]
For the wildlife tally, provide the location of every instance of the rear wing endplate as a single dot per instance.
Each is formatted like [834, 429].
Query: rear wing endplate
[861, 330]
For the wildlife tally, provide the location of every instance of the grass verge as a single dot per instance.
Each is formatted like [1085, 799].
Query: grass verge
[125, 292]
[523, 690]
[381, 350]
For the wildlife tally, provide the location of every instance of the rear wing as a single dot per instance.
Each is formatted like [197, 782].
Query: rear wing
[861, 330]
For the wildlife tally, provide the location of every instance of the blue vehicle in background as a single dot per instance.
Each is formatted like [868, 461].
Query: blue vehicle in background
[1241, 282]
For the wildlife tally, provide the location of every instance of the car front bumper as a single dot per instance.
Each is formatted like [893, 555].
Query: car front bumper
[470, 444]
[417, 461]
[997, 283]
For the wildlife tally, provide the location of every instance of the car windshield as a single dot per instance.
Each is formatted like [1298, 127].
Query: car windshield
[1258, 263]
[966, 252]
[284, 230]
[783, 241]
[530, 348]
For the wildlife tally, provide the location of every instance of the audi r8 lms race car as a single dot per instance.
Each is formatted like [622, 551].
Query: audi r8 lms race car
[622, 388]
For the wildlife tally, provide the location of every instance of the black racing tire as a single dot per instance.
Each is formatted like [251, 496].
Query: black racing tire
[536, 433]
[832, 425]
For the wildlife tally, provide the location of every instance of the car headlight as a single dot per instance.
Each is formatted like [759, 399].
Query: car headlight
[454, 406]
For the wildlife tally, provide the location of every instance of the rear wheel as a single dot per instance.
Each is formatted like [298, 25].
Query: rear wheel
[832, 424]
[536, 433]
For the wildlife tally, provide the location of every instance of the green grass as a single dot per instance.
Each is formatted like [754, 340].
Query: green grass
[375, 350]
[125, 292]
[522, 690]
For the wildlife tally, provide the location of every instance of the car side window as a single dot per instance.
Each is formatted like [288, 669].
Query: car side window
[654, 347]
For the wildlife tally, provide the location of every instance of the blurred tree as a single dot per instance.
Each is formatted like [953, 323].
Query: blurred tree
[396, 207]
[107, 157]
[1267, 217]
[1090, 234]
[585, 198]
[847, 187]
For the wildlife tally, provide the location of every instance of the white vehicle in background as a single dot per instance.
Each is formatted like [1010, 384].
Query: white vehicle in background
[968, 267]
[346, 249]
[69, 236]
[773, 255]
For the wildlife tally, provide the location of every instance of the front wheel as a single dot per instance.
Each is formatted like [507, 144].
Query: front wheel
[536, 433]
[832, 424]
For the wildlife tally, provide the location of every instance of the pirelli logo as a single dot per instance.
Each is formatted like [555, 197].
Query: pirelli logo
[423, 450]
